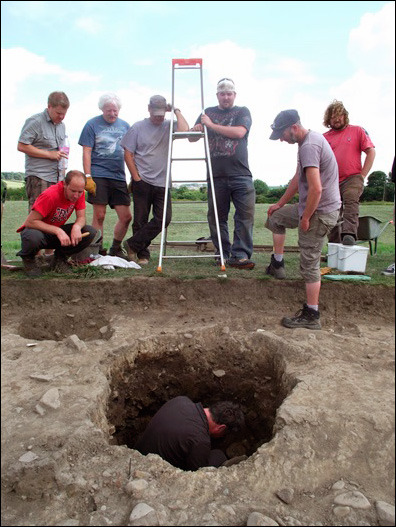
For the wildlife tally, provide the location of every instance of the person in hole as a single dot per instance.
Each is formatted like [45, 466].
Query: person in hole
[180, 432]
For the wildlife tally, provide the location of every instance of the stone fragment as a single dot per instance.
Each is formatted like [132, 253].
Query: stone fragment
[286, 495]
[219, 373]
[51, 398]
[143, 514]
[75, 343]
[385, 512]
[256, 518]
[354, 499]
[28, 457]
[341, 511]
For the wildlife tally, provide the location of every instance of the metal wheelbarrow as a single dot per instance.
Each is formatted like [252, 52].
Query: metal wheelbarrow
[370, 230]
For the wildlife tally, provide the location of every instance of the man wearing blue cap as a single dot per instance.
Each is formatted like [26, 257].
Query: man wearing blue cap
[316, 213]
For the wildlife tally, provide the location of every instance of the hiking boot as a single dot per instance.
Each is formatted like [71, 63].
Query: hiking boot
[31, 268]
[305, 318]
[389, 271]
[132, 255]
[241, 263]
[119, 252]
[61, 265]
[348, 239]
[276, 269]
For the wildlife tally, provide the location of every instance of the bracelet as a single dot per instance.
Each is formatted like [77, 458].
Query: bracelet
[176, 110]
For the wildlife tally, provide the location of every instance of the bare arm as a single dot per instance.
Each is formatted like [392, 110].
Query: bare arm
[33, 151]
[35, 221]
[368, 162]
[87, 153]
[182, 124]
[233, 132]
[313, 197]
[130, 163]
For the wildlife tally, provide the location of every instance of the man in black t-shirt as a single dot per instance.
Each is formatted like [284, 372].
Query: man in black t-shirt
[180, 432]
[228, 130]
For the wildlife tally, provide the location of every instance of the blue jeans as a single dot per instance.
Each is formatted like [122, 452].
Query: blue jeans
[240, 190]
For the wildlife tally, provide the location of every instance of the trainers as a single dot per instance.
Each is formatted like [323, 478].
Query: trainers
[348, 239]
[31, 268]
[242, 263]
[305, 318]
[276, 269]
[389, 271]
[119, 252]
[132, 255]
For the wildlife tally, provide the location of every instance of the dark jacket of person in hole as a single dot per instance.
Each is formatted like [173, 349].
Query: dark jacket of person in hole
[181, 430]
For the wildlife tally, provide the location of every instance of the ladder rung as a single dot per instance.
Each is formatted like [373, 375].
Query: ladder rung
[192, 256]
[182, 135]
[190, 221]
[191, 181]
[188, 158]
[187, 242]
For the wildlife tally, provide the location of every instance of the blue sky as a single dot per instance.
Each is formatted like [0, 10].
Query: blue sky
[280, 54]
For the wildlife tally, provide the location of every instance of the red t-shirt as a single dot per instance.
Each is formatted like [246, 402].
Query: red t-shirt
[348, 145]
[54, 207]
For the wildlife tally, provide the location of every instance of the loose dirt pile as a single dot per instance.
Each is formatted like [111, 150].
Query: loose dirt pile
[86, 363]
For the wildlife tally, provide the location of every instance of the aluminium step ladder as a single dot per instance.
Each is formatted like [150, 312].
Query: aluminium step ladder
[195, 64]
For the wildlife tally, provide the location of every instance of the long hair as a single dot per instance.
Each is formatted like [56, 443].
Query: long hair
[335, 108]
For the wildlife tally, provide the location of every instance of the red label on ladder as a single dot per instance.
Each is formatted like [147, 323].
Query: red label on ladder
[186, 62]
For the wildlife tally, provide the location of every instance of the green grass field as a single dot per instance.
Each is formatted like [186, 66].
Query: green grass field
[15, 213]
[14, 184]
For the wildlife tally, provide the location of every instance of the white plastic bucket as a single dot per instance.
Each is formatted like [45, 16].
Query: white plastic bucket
[352, 258]
[332, 254]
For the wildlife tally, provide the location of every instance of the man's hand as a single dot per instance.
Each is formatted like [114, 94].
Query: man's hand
[273, 208]
[63, 238]
[197, 128]
[90, 185]
[304, 224]
[75, 235]
[207, 121]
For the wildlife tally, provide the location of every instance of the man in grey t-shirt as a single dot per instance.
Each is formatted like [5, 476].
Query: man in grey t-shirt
[316, 213]
[146, 146]
[40, 139]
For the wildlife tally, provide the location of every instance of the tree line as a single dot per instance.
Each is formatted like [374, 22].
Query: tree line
[379, 187]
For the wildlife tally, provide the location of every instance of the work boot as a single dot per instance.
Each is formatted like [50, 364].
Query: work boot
[305, 318]
[60, 264]
[119, 252]
[132, 255]
[31, 268]
[348, 239]
[276, 269]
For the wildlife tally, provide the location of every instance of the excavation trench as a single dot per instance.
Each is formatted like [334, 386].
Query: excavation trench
[255, 378]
